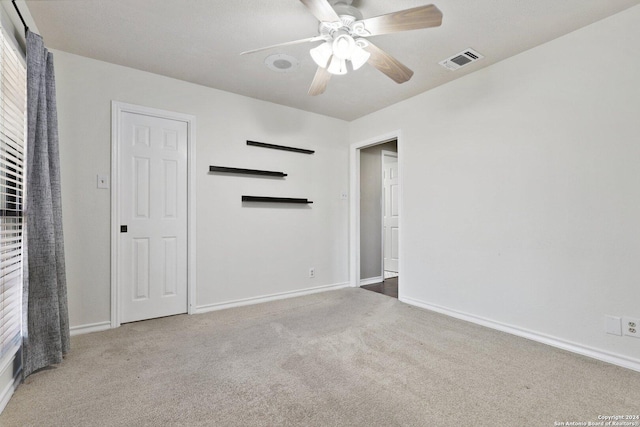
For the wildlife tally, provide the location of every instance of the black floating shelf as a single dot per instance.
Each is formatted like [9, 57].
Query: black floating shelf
[245, 171]
[274, 199]
[279, 147]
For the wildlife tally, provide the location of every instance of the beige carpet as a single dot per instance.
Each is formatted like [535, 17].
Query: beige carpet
[342, 358]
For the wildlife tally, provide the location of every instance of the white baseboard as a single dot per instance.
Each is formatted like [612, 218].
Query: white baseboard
[614, 359]
[103, 326]
[371, 280]
[6, 394]
[266, 298]
[91, 327]
[390, 274]
[10, 381]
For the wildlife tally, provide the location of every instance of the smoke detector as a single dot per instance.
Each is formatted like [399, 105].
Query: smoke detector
[461, 59]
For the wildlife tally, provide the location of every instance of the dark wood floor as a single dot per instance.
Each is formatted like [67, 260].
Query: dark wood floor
[388, 287]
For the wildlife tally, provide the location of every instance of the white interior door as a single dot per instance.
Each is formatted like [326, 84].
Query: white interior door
[390, 197]
[153, 216]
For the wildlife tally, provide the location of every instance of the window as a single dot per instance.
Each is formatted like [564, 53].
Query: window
[12, 142]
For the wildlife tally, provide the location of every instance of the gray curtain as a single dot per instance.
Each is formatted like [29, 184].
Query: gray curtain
[46, 323]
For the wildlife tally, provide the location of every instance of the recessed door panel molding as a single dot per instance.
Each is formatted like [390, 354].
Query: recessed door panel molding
[394, 198]
[170, 266]
[141, 183]
[394, 173]
[141, 136]
[170, 139]
[171, 184]
[141, 271]
[395, 235]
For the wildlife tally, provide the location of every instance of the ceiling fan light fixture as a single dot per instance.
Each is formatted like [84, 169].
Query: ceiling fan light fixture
[322, 54]
[359, 57]
[337, 66]
[343, 46]
[342, 28]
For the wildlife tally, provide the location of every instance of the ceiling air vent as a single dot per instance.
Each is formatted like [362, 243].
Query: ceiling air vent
[461, 59]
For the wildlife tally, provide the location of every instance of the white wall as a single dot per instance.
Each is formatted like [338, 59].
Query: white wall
[522, 189]
[242, 252]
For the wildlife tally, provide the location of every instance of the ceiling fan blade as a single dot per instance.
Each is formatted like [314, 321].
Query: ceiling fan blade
[320, 81]
[310, 39]
[388, 64]
[403, 20]
[322, 10]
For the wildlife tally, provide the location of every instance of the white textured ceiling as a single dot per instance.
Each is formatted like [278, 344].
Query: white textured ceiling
[200, 40]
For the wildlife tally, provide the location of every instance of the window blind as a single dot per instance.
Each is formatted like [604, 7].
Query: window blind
[12, 140]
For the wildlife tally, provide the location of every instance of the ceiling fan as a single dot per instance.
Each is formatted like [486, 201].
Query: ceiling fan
[344, 33]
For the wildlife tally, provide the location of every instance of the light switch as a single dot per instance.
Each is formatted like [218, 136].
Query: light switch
[103, 181]
[613, 325]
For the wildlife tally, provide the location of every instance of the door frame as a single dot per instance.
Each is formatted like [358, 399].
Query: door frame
[354, 202]
[117, 109]
[383, 154]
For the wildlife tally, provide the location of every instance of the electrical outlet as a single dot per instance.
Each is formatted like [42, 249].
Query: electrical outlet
[312, 273]
[631, 327]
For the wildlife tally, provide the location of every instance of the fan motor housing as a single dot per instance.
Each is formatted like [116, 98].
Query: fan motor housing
[348, 15]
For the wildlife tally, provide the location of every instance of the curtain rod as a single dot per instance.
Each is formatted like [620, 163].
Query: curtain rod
[26, 28]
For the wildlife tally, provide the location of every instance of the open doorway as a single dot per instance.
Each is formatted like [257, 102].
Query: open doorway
[378, 218]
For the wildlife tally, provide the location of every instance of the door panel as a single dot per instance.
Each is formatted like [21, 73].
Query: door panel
[141, 269]
[153, 205]
[170, 266]
[391, 212]
[170, 201]
[141, 187]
